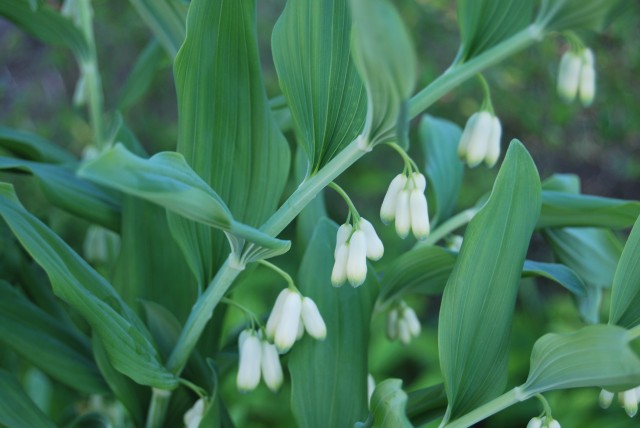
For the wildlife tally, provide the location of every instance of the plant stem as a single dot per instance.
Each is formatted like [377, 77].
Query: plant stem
[507, 399]
[280, 272]
[308, 189]
[157, 408]
[352, 208]
[89, 69]
[461, 72]
[449, 226]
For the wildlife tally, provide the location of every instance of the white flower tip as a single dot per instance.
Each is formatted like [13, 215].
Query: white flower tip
[271, 368]
[419, 214]
[630, 402]
[605, 399]
[249, 364]
[312, 320]
[193, 416]
[403, 214]
[339, 272]
[287, 328]
[587, 85]
[569, 76]
[535, 423]
[375, 248]
[412, 321]
[388, 207]
[553, 424]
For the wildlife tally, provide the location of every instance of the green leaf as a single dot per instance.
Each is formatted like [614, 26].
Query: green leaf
[591, 253]
[388, 404]
[561, 209]
[426, 404]
[558, 273]
[561, 15]
[311, 52]
[32, 147]
[485, 23]
[166, 19]
[479, 299]
[423, 270]
[625, 291]
[226, 131]
[569, 183]
[439, 139]
[167, 180]
[329, 378]
[126, 340]
[16, 408]
[152, 59]
[597, 355]
[65, 190]
[47, 25]
[383, 54]
[47, 343]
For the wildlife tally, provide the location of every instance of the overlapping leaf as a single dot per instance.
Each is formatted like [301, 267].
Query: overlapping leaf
[383, 54]
[152, 59]
[16, 408]
[166, 179]
[315, 210]
[65, 190]
[337, 366]
[558, 273]
[32, 147]
[226, 131]
[311, 51]
[485, 23]
[597, 355]
[65, 356]
[625, 292]
[47, 25]
[479, 299]
[388, 404]
[560, 15]
[439, 139]
[562, 209]
[126, 340]
[166, 19]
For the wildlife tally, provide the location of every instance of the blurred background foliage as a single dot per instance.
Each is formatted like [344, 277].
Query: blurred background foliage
[601, 144]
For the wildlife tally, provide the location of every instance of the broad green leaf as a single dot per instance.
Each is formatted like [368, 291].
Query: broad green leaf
[625, 291]
[65, 190]
[16, 408]
[32, 147]
[591, 253]
[383, 54]
[558, 273]
[561, 209]
[166, 179]
[422, 270]
[426, 404]
[226, 131]
[597, 355]
[126, 340]
[569, 183]
[485, 23]
[329, 378]
[479, 300]
[133, 396]
[561, 15]
[388, 404]
[47, 25]
[152, 59]
[439, 139]
[315, 210]
[47, 343]
[311, 52]
[166, 19]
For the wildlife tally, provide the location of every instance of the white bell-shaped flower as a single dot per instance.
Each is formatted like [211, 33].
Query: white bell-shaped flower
[312, 320]
[535, 423]
[412, 321]
[605, 399]
[289, 320]
[390, 201]
[250, 350]
[339, 272]
[569, 75]
[193, 416]
[629, 400]
[403, 214]
[270, 365]
[403, 323]
[392, 324]
[375, 248]
[480, 140]
[276, 314]
[419, 213]
[357, 260]
[493, 148]
[587, 83]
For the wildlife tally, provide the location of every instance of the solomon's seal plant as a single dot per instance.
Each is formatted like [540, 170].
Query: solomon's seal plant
[155, 306]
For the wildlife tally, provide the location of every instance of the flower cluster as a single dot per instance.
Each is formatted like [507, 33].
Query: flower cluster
[292, 314]
[628, 399]
[354, 245]
[543, 422]
[402, 324]
[257, 356]
[577, 75]
[480, 140]
[406, 203]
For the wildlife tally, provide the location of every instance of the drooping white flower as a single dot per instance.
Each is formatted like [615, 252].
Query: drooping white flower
[392, 324]
[250, 355]
[412, 321]
[193, 416]
[270, 365]
[339, 272]
[605, 399]
[276, 314]
[480, 140]
[403, 214]
[587, 78]
[629, 400]
[357, 260]
[375, 248]
[535, 423]
[404, 334]
[551, 423]
[287, 328]
[569, 75]
[402, 323]
[312, 320]
[344, 233]
[389, 203]
[419, 213]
